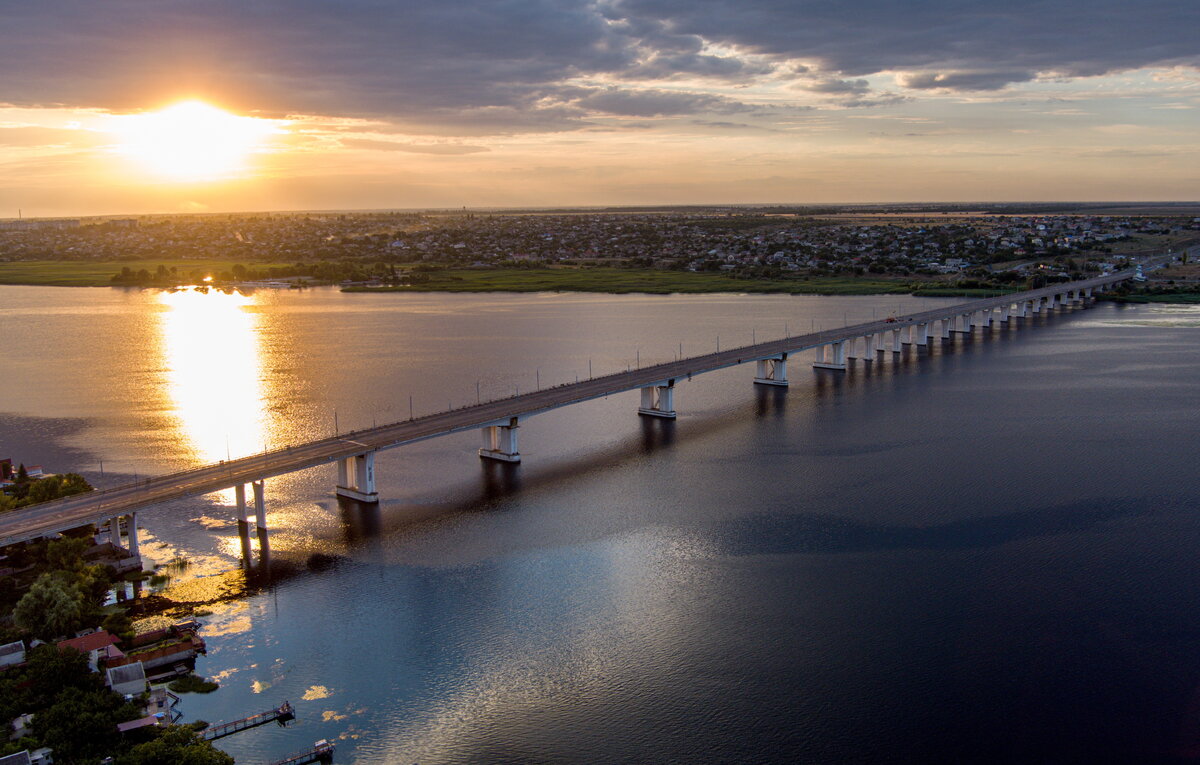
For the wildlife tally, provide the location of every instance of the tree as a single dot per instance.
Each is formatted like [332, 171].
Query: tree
[49, 609]
[51, 670]
[176, 745]
[82, 725]
[66, 554]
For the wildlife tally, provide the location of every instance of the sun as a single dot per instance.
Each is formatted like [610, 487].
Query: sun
[193, 141]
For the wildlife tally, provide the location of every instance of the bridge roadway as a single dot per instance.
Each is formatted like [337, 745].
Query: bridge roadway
[98, 506]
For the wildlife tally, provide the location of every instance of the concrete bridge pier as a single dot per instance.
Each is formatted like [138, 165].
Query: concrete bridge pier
[113, 530]
[921, 332]
[946, 328]
[833, 355]
[134, 548]
[1087, 292]
[1035, 306]
[961, 324]
[356, 478]
[260, 515]
[500, 442]
[869, 347]
[659, 400]
[771, 371]
[239, 492]
[1004, 313]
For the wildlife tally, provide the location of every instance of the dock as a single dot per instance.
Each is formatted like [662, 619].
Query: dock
[282, 714]
[322, 751]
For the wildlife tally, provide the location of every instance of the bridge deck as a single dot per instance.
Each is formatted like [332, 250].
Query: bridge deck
[96, 507]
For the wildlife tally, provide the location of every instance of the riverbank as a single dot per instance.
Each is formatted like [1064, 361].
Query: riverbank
[92, 273]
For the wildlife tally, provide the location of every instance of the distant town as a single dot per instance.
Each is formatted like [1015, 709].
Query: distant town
[991, 247]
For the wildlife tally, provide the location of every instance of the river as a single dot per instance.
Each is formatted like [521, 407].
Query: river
[981, 552]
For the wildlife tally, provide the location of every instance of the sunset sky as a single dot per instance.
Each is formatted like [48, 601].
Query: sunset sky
[308, 104]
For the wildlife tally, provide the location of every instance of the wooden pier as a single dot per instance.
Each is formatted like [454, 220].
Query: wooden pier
[322, 751]
[281, 714]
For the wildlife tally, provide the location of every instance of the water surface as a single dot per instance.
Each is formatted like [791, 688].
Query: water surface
[979, 552]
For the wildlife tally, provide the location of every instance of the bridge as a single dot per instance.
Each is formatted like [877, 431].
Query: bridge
[498, 420]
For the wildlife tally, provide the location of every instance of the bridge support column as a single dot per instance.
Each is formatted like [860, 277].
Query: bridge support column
[659, 401]
[771, 371]
[869, 347]
[239, 492]
[1004, 313]
[1035, 305]
[831, 356]
[260, 514]
[500, 442]
[114, 531]
[1087, 292]
[897, 342]
[961, 324]
[946, 322]
[135, 549]
[922, 334]
[356, 478]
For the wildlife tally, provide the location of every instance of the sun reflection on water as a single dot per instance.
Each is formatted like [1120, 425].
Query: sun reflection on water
[211, 354]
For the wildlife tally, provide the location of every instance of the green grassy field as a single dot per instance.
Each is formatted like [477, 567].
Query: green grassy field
[616, 280]
[76, 273]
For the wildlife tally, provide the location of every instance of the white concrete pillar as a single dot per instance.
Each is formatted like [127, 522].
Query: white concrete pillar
[922, 333]
[239, 492]
[869, 347]
[500, 442]
[1004, 309]
[114, 531]
[260, 504]
[946, 328]
[1036, 305]
[1087, 292]
[771, 371]
[897, 343]
[831, 356]
[260, 513]
[658, 401]
[135, 549]
[356, 477]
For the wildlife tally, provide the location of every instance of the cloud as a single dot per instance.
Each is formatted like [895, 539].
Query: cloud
[654, 103]
[486, 66]
[979, 80]
[836, 86]
[415, 148]
[971, 44]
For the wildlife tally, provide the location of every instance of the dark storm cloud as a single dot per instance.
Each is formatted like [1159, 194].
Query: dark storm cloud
[836, 86]
[654, 103]
[972, 44]
[475, 66]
